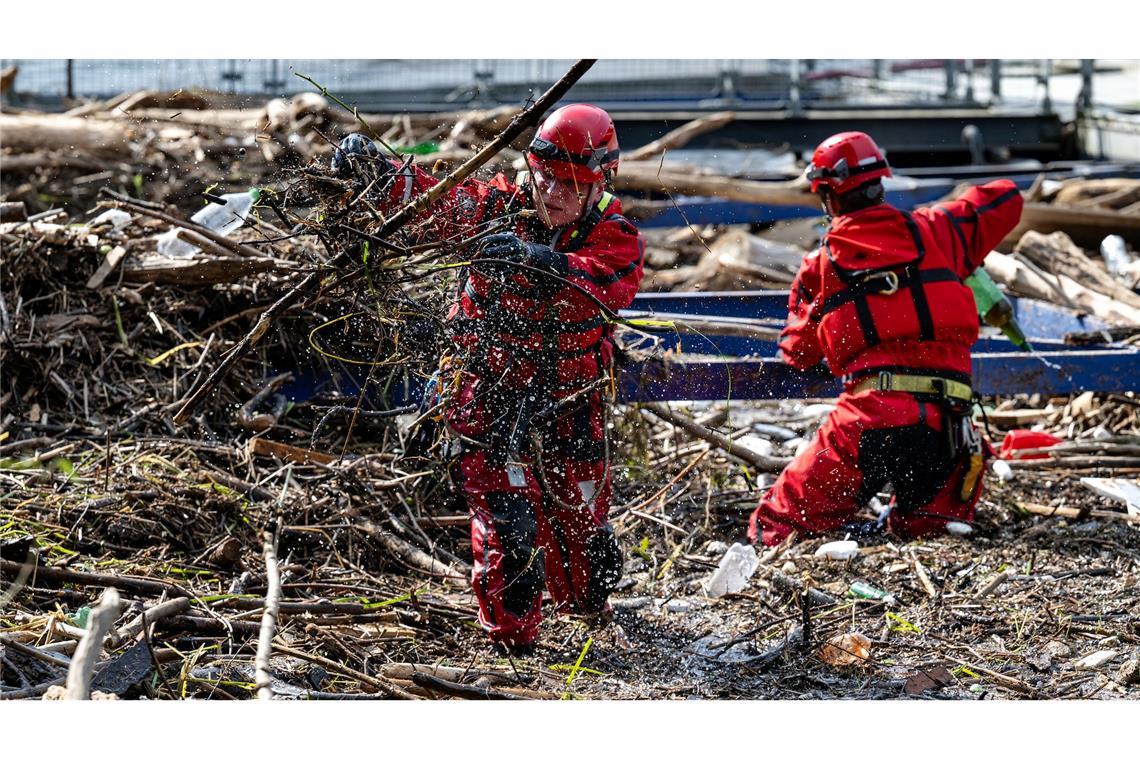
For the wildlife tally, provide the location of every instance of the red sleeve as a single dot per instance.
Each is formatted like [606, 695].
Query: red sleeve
[970, 226]
[610, 265]
[461, 212]
[799, 340]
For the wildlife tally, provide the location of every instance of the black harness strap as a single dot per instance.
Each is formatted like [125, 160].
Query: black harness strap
[917, 285]
[866, 321]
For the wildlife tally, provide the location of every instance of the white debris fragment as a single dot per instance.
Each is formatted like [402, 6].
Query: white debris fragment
[839, 550]
[1119, 489]
[737, 565]
[756, 444]
[1002, 470]
[1096, 659]
[117, 219]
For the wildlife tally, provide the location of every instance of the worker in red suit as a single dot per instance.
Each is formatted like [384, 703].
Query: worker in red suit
[525, 380]
[882, 301]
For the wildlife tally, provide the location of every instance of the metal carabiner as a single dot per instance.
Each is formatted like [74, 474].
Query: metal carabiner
[891, 278]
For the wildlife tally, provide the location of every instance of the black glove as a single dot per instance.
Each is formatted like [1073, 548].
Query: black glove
[504, 245]
[358, 157]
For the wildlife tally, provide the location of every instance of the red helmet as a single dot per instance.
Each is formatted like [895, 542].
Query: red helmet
[577, 143]
[845, 161]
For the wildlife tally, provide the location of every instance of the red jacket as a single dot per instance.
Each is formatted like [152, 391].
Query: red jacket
[884, 289]
[540, 326]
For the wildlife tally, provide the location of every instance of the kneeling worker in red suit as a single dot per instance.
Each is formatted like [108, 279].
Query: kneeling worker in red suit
[883, 301]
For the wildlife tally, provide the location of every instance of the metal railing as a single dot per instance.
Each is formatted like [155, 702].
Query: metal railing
[791, 84]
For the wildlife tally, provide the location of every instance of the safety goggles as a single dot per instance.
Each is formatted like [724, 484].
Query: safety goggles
[594, 161]
[841, 172]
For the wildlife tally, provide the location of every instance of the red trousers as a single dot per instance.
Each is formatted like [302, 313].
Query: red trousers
[538, 516]
[870, 439]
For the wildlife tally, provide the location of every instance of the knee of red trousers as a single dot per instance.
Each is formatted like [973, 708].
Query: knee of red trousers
[584, 561]
[932, 519]
[508, 564]
[805, 500]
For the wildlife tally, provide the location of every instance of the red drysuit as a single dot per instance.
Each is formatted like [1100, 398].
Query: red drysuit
[884, 293]
[522, 342]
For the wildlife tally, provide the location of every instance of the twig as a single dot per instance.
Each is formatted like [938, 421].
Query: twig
[992, 586]
[268, 620]
[148, 617]
[758, 461]
[91, 646]
[923, 578]
[97, 579]
[380, 683]
[431, 683]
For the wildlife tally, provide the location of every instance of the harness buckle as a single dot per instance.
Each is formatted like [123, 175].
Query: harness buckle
[890, 277]
[886, 381]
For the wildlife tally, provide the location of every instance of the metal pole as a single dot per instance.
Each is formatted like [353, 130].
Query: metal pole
[729, 81]
[951, 79]
[70, 78]
[1045, 71]
[795, 106]
[1085, 99]
[995, 80]
[969, 68]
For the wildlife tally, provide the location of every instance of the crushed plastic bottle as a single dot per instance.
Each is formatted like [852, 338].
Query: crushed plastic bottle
[221, 218]
[737, 565]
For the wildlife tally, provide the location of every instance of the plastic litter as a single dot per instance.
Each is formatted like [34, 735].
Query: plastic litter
[1002, 470]
[221, 218]
[117, 218]
[756, 444]
[737, 565]
[861, 590]
[1115, 254]
[1119, 489]
[1019, 440]
[839, 550]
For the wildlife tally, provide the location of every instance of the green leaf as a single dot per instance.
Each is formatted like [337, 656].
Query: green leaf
[79, 619]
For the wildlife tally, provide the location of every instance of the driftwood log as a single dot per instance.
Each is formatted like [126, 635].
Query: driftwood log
[1058, 254]
[1025, 280]
[649, 176]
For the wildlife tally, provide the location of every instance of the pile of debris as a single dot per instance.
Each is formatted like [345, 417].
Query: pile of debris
[114, 313]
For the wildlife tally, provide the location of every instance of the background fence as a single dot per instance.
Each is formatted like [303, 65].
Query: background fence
[790, 84]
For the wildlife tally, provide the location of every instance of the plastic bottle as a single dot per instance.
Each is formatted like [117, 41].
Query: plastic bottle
[861, 590]
[219, 217]
[995, 309]
[1115, 254]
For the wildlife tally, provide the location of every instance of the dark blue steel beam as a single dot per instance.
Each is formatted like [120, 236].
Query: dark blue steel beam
[747, 368]
[1038, 319]
[1114, 370]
